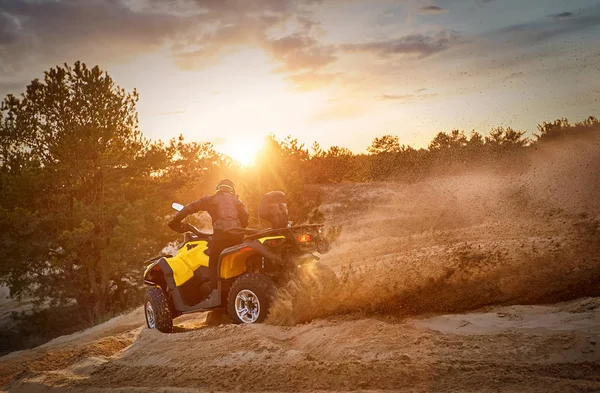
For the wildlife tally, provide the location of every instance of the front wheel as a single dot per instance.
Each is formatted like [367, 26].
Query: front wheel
[250, 298]
[157, 310]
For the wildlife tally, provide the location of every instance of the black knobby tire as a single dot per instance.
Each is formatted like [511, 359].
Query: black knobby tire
[173, 310]
[260, 285]
[157, 299]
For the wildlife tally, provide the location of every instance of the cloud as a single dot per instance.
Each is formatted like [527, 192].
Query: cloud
[407, 97]
[224, 8]
[527, 46]
[200, 48]
[93, 30]
[9, 29]
[340, 110]
[248, 6]
[196, 33]
[548, 28]
[432, 9]
[255, 23]
[108, 30]
[308, 81]
[298, 55]
[561, 16]
[416, 45]
[298, 52]
[395, 96]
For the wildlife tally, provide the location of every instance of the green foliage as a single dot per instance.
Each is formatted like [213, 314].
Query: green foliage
[83, 199]
[280, 165]
[449, 142]
[449, 151]
[501, 138]
[561, 128]
[389, 160]
[195, 169]
[385, 144]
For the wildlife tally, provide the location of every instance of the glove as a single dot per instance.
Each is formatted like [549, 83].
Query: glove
[177, 226]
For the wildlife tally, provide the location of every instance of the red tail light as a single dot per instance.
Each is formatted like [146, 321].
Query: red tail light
[304, 238]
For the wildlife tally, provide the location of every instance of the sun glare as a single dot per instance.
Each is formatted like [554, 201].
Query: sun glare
[243, 150]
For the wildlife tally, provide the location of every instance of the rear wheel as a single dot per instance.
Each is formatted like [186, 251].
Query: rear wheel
[157, 310]
[250, 298]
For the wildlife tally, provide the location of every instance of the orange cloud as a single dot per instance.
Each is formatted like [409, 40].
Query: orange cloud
[298, 52]
[308, 81]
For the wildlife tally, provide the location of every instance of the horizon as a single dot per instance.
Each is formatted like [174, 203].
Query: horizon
[232, 72]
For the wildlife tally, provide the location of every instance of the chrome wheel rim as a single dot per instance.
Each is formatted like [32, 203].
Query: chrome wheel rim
[150, 316]
[247, 306]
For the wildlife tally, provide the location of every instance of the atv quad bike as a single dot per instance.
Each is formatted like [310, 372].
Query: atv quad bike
[248, 273]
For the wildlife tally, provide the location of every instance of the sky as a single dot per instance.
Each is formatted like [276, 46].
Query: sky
[339, 72]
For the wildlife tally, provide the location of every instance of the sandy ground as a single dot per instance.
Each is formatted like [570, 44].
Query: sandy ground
[507, 349]
[473, 283]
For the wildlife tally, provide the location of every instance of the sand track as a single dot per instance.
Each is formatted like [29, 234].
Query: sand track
[535, 349]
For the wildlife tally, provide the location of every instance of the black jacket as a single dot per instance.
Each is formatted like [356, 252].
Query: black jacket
[225, 209]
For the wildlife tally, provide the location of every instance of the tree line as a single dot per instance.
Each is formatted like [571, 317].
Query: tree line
[386, 159]
[85, 197]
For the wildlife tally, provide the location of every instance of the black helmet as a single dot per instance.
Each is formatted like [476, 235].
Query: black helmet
[226, 185]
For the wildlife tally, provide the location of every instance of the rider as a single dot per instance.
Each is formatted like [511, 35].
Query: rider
[273, 208]
[226, 212]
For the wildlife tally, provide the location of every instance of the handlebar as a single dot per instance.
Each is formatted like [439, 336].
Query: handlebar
[190, 228]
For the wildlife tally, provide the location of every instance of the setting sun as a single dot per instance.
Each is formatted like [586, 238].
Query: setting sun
[243, 150]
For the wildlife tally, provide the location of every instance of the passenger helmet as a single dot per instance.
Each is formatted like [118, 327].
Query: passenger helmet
[226, 185]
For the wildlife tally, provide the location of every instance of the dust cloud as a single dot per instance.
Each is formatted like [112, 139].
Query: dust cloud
[525, 233]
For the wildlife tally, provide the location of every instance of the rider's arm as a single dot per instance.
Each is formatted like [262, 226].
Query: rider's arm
[194, 207]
